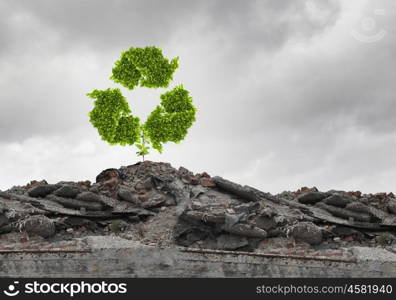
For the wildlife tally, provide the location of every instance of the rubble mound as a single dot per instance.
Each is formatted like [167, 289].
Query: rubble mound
[156, 204]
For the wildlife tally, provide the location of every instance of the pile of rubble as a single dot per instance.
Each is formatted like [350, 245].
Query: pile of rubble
[158, 205]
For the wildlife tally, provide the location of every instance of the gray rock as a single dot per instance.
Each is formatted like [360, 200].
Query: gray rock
[108, 174]
[275, 232]
[187, 235]
[280, 220]
[126, 194]
[143, 213]
[134, 219]
[40, 191]
[68, 191]
[153, 202]
[94, 189]
[392, 207]
[345, 213]
[183, 171]
[311, 197]
[3, 220]
[343, 231]
[198, 216]
[358, 207]
[5, 195]
[148, 183]
[231, 242]
[18, 190]
[306, 232]
[39, 225]
[77, 221]
[89, 197]
[338, 200]
[265, 223]
[231, 219]
[247, 207]
[246, 192]
[286, 195]
[109, 202]
[3, 207]
[196, 191]
[118, 225]
[6, 228]
[172, 185]
[76, 204]
[268, 212]
[246, 230]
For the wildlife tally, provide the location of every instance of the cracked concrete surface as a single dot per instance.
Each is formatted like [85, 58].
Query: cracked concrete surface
[111, 256]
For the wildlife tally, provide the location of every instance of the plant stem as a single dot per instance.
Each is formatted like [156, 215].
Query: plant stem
[144, 144]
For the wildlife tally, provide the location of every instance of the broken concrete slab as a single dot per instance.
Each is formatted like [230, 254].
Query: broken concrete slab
[42, 190]
[68, 191]
[312, 197]
[38, 225]
[306, 232]
[126, 194]
[75, 203]
[338, 200]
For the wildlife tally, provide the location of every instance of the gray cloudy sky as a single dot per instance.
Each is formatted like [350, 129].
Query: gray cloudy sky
[290, 93]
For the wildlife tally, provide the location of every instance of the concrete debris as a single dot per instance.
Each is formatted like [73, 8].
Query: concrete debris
[127, 194]
[245, 192]
[338, 200]
[306, 232]
[42, 190]
[38, 225]
[74, 203]
[69, 191]
[3, 220]
[88, 197]
[246, 230]
[392, 207]
[156, 203]
[231, 242]
[266, 223]
[311, 197]
[344, 213]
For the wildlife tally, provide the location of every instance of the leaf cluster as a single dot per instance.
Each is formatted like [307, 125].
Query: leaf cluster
[145, 67]
[168, 122]
[112, 117]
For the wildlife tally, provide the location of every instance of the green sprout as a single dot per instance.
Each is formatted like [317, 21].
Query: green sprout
[168, 122]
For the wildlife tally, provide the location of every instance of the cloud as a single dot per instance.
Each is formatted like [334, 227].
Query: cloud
[98, 23]
[267, 25]
[58, 52]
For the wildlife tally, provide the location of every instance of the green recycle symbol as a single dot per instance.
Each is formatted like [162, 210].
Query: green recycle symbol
[168, 122]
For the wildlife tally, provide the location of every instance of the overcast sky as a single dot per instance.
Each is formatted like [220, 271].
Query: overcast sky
[290, 93]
